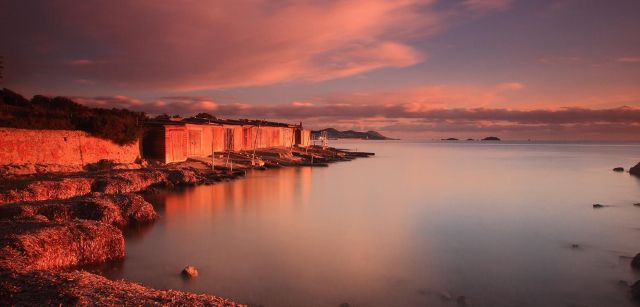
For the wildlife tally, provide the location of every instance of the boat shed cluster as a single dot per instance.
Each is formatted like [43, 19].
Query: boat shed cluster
[176, 140]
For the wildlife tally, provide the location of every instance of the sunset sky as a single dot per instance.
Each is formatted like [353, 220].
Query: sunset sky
[414, 69]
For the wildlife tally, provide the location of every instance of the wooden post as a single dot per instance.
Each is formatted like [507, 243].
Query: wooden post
[255, 140]
[213, 153]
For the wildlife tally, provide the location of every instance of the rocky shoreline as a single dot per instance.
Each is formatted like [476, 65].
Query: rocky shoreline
[53, 223]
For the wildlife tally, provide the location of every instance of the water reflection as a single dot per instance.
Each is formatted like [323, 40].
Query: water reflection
[420, 224]
[292, 188]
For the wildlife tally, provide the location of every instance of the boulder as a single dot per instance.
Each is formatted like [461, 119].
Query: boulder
[190, 272]
[598, 206]
[618, 169]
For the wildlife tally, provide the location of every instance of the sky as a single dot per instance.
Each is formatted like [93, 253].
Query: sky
[411, 69]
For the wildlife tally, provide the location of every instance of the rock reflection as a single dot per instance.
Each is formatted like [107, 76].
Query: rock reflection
[292, 187]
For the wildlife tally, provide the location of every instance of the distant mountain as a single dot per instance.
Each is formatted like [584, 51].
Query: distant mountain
[350, 134]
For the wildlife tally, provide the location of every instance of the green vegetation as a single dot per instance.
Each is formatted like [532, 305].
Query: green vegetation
[121, 126]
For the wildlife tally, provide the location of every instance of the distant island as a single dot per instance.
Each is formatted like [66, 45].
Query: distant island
[333, 133]
[491, 138]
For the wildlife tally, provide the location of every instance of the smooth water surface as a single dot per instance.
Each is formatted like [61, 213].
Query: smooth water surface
[494, 222]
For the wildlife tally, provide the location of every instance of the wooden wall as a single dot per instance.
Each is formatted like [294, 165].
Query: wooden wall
[175, 143]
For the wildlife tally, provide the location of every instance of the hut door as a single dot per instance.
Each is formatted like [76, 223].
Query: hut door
[298, 137]
[175, 139]
[195, 142]
[246, 138]
[228, 139]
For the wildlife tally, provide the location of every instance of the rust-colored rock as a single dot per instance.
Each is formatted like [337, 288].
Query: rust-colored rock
[118, 209]
[190, 272]
[129, 181]
[36, 244]
[77, 288]
[47, 190]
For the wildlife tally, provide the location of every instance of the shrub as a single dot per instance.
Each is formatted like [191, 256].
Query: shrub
[121, 126]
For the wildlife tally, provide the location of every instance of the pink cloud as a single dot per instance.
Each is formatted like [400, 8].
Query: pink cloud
[117, 101]
[510, 86]
[420, 112]
[212, 44]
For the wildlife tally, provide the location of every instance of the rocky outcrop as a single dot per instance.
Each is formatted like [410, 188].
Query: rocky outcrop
[635, 170]
[118, 210]
[114, 182]
[46, 189]
[38, 244]
[78, 288]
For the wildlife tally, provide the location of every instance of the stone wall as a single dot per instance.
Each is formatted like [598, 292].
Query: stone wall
[60, 147]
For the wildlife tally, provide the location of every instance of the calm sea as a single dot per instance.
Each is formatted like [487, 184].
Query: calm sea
[414, 226]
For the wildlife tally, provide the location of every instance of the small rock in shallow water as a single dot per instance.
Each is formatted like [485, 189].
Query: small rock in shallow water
[575, 246]
[635, 263]
[190, 272]
[598, 206]
[618, 169]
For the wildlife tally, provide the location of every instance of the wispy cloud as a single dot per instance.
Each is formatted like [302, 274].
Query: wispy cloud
[635, 59]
